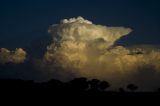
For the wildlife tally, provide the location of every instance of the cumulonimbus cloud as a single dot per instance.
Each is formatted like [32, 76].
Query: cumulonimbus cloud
[17, 56]
[86, 49]
[82, 49]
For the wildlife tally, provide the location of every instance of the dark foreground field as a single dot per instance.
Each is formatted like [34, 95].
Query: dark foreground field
[78, 89]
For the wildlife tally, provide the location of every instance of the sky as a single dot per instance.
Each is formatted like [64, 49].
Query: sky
[24, 21]
[44, 39]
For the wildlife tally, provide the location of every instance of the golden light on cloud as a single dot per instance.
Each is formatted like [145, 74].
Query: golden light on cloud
[17, 56]
[86, 49]
[80, 48]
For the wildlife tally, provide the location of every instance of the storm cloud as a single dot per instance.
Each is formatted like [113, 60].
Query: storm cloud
[85, 49]
[80, 48]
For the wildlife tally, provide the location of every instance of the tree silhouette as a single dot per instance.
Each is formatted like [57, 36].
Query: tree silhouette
[121, 90]
[79, 84]
[54, 84]
[94, 84]
[132, 87]
[103, 85]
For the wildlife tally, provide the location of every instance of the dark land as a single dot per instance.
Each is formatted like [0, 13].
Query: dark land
[75, 87]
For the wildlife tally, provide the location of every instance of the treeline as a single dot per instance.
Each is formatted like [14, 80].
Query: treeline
[54, 87]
